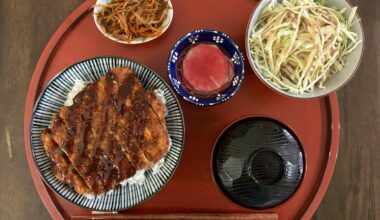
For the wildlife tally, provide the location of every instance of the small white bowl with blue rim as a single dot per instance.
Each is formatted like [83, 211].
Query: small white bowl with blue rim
[225, 43]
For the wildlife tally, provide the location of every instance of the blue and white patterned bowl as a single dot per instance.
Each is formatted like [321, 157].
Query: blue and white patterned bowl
[53, 98]
[221, 40]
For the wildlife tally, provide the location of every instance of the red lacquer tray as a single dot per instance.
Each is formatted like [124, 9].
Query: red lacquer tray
[192, 188]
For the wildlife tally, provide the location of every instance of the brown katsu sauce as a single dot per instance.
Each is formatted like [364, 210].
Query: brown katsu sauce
[124, 91]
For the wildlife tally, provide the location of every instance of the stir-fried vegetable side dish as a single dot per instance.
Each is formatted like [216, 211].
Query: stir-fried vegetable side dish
[299, 44]
[129, 19]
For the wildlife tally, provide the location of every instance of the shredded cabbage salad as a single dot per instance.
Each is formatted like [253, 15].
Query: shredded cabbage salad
[299, 44]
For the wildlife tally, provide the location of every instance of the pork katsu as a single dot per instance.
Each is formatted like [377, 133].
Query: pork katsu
[113, 128]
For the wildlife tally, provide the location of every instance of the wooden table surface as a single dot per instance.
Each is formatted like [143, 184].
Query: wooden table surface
[25, 28]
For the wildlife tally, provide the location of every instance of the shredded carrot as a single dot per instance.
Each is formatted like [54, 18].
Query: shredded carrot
[129, 19]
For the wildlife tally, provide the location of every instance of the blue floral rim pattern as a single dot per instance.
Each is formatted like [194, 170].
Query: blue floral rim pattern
[221, 40]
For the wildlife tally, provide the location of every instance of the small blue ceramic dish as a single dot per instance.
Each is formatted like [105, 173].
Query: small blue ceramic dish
[225, 43]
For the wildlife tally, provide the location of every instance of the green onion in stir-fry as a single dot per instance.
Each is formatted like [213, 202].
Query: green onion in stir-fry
[299, 44]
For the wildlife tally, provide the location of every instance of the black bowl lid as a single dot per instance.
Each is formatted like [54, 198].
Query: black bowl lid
[258, 163]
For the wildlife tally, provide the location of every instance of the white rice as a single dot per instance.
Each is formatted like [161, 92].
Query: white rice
[78, 86]
[161, 96]
[139, 176]
[157, 166]
[92, 196]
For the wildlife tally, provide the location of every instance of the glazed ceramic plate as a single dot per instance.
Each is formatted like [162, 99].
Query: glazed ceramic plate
[54, 96]
[138, 40]
[228, 46]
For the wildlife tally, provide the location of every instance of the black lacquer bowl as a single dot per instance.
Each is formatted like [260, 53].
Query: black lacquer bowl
[258, 163]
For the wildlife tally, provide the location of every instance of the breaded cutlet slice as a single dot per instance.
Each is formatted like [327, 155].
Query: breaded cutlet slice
[62, 167]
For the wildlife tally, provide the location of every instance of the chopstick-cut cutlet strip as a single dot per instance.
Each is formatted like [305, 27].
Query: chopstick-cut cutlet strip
[113, 128]
[61, 166]
[150, 128]
[157, 106]
[144, 120]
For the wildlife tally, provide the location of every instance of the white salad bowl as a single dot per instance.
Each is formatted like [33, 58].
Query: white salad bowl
[332, 84]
